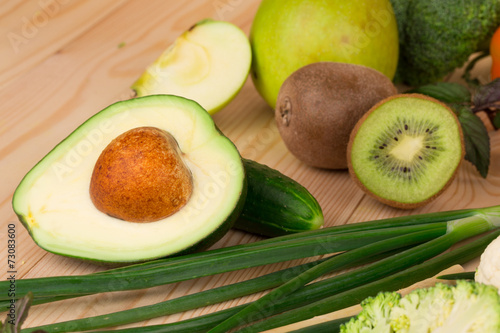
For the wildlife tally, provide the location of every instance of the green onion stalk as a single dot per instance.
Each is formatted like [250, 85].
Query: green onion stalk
[206, 263]
[344, 260]
[318, 291]
[458, 230]
[331, 326]
[361, 242]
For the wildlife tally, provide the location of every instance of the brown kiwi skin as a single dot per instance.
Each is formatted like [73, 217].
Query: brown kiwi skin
[393, 203]
[319, 104]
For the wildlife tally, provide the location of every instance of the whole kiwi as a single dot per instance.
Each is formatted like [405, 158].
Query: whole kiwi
[319, 104]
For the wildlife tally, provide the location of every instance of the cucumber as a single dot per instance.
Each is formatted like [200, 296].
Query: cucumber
[276, 204]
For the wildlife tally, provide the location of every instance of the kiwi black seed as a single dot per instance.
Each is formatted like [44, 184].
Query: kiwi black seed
[318, 106]
[406, 150]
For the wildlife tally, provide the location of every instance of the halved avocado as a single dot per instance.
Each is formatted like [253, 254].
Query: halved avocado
[208, 63]
[53, 201]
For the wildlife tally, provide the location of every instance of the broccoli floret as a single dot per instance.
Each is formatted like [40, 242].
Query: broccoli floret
[476, 309]
[375, 316]
[400, 8]
[468, 307]
[438, 36]
[423, 310]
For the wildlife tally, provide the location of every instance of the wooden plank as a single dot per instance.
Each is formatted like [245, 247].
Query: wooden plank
[36, 29]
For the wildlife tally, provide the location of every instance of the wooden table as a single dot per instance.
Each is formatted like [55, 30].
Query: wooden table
[61, 61]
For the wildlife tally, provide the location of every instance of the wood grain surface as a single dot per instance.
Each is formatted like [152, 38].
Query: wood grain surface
[64, 60]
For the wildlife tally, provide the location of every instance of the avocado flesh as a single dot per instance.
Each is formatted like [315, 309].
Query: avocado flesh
[53, 200]
[208, 63]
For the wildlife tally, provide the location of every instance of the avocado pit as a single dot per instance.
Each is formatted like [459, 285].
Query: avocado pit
[141, 177]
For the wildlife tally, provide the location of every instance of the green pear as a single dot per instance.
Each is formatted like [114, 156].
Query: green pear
[289, 34]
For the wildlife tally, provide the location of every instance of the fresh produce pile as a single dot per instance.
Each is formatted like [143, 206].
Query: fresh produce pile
[164, 171]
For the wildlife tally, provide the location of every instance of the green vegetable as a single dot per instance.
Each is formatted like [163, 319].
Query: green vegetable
[458, 276]
[302, 245]
[391, 283]
[276, 204]
[332, 326]
[467, 307]
[375, 315]
[318, 291]
[286, 247]
[457, 231]
[436, 37]
[193, 325]
[381, 268]
[188, 302]
[206, 297]
[390, 232]
[254, 310]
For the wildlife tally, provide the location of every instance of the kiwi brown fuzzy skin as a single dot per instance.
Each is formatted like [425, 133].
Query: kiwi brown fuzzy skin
[319, 104]
[393, 203]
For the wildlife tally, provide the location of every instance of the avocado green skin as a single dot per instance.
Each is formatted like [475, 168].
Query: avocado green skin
[276, 204]
[202, 244]
[224, 227]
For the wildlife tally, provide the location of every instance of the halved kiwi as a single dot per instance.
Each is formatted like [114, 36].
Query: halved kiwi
[406, 150]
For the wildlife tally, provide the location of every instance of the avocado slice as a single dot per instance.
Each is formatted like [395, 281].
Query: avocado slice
[209, 63]
[53, 200]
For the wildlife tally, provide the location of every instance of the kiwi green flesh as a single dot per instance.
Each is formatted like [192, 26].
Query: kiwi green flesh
[406, 150]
